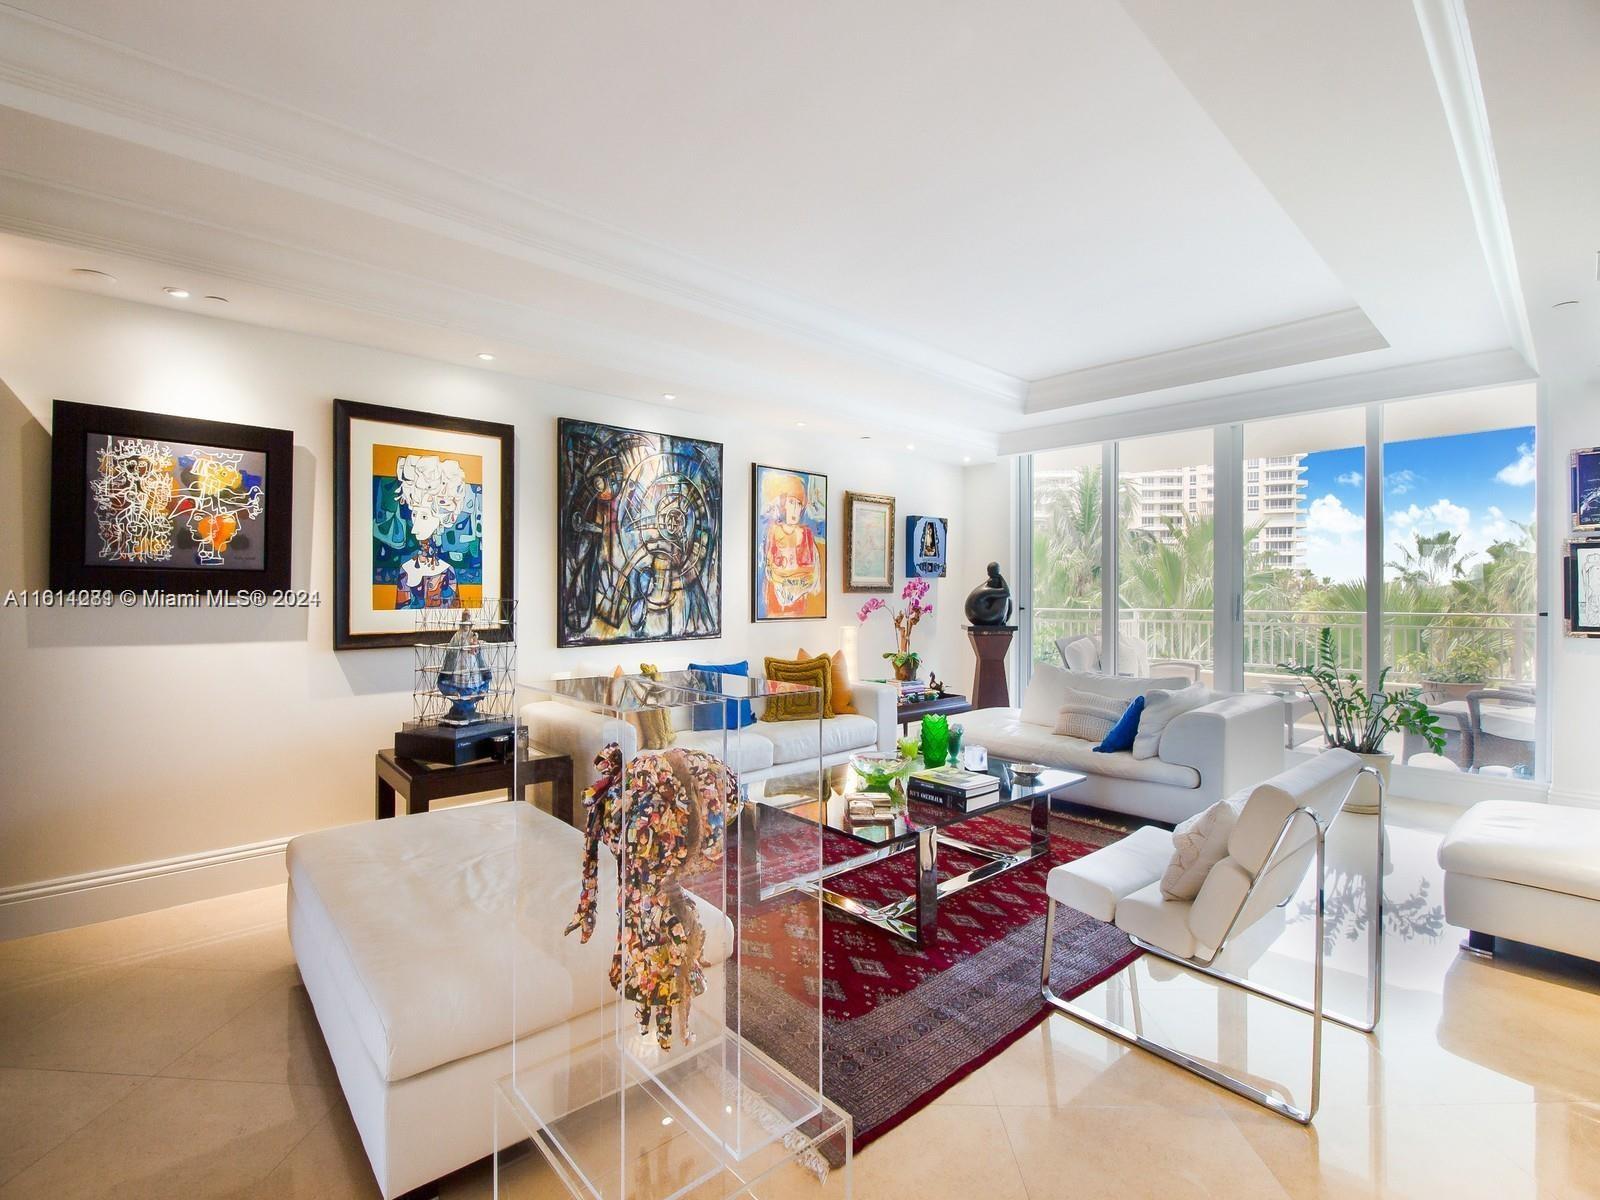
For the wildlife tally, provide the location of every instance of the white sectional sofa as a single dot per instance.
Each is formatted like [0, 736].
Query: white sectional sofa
[1204, 755]
[758, 751]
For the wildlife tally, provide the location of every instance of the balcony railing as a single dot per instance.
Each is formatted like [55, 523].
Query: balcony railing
[1448, 647]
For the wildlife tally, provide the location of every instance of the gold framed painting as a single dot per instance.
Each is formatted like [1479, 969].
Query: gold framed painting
[868, 542]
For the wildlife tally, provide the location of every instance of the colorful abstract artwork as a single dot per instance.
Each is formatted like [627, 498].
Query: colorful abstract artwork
[168, 503]
[427, 529]
[639, 527]
[927, 547]
[789, 554]
[423, 518]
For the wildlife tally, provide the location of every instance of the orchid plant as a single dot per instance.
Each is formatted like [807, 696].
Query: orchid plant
[915, 595]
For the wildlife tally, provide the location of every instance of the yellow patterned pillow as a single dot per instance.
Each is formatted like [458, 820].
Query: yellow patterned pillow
[843, 698]
[654, 724]
[800, 706]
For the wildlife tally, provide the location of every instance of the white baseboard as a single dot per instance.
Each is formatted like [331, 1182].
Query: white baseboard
[1575, 799]
[123, 891]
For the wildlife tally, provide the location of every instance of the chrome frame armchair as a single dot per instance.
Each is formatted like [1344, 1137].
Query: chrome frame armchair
[1280, 858]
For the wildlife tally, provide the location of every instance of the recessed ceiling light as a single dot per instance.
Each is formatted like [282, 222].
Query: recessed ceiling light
[176, 293]
[218, 299]
[666, 1120]
[966, 458]
[866, 437]
[485, 356]
[668, 396]
[911, 445]
[106, 276]
[1564, 303]
[799, 424]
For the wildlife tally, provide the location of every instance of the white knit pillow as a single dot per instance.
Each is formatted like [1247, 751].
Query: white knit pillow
[1088, 716]
[1199, 844]
[1160, 707]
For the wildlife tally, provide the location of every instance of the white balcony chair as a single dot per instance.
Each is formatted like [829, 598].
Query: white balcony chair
[1082, 653]
[1280, 832]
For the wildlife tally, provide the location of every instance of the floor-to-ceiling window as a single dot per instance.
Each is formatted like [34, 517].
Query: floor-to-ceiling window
[1067, 549]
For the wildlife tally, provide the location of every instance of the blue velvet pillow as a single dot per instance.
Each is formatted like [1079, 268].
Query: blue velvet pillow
[1122, 733]
[739, 712]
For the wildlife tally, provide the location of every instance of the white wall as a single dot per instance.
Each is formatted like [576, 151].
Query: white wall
[131, 736]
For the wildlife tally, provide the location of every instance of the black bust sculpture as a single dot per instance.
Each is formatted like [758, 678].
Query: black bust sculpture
[990, 602]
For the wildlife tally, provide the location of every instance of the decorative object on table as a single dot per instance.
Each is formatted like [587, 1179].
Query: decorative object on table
[667, 822]
[927, 547]
[877, 809]
[462, 689]
[1354, 719]
[935, 740]
[424, 518]
[868, 543]
[789, 554]
[956, 733]
[147, 501]
[882, 770]
[1585, 490]
[915, 594]
[1026, 772]
[934, 685]
[1581, 589]
[639, 536]
[954, 787]
[975, 757]
[989, 604]
[814, 673]
[910, 747]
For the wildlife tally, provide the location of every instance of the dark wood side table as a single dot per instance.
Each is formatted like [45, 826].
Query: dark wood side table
[949, 704]
[421, 783]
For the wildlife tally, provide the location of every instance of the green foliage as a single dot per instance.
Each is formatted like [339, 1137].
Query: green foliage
[1355, 719]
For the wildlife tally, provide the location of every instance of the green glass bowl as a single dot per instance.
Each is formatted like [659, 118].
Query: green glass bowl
[880, 770]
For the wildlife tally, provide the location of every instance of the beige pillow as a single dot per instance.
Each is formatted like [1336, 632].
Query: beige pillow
[1160, 707]
[1088, 716]
[1199, 844]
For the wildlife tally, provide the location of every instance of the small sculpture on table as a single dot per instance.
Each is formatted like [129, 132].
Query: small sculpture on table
[990, 602]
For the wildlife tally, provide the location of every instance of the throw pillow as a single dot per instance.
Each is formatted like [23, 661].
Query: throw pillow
[800, 706]
[1047, 692]
[1160, 707]
[844, 697]
[739, 712]
[1088, 716]
[654, 724]
[1199, 844]
[1122, 734]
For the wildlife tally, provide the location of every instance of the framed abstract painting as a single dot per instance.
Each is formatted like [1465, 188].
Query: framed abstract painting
[639, 535]
[152, 502]
[868, 543]
[423, 517]
[789, 551]
[1585, 467]
[927, 547]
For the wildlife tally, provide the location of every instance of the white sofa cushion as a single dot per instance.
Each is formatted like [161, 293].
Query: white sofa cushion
[416, 917]
[795, 741]
[1199, 844]
[1047, 689]
[1006, 735]
[1149, 915]
[744, 750]
[1095, 883]
[1161, 705]
[1088, 716]
[1548, 846]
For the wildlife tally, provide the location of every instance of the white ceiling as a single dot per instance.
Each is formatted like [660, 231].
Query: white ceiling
[993, 221]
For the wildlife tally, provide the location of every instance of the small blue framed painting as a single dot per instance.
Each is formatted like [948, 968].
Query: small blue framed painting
[927, 547]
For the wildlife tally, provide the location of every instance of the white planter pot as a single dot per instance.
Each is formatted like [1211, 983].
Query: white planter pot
[1364, 799]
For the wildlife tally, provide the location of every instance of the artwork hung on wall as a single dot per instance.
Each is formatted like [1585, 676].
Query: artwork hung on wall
[789, 557]
[423, 519]
[639, 535]
[868, 543]
[168, 504]
[1586, 489]
[1582, 589]
[927, 549]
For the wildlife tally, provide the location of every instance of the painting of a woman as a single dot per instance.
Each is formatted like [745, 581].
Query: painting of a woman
[789, 571]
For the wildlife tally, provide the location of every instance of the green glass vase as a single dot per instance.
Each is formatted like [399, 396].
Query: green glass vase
[935, 740]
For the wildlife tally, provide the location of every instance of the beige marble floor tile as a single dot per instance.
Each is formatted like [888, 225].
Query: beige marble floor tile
[34, 990]
[201, 930]
[327, 1163]
[41, 1109]
[177, 1138]
[974, 1089]
[1134, 1153]
[274, 1040]
[136, 1023]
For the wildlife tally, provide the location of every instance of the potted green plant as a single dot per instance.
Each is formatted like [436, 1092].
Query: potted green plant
[1359, 721]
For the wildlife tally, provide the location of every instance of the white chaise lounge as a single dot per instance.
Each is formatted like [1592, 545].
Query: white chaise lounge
[405, 935]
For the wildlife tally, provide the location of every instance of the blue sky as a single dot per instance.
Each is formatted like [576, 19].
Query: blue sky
[1474, 484]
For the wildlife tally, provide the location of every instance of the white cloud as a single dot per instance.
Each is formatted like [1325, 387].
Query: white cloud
[1521, 472]
[1329, 515]
[1401, 482]
[1336, 540]
[1350, 479]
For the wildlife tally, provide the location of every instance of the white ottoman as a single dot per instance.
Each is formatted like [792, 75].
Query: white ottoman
[1528, 872]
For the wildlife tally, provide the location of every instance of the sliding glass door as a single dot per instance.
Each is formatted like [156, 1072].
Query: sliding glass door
[1067, 549]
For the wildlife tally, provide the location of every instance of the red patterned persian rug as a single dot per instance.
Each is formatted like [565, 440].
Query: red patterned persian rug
[903, 1023]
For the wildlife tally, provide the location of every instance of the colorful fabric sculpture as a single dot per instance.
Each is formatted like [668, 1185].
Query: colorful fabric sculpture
[663, 818]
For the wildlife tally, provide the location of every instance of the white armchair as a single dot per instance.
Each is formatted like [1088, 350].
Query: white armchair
[1082, 653]
[1280, 831]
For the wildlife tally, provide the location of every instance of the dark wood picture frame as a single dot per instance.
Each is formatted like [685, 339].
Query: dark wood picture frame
[345, 413]
[72, 424]
[1570, 590]
[850, 499]
[756, 548]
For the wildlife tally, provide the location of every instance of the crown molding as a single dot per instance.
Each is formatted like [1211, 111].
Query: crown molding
[1488, 369]
[1448, 39]
[60, 73]
[1330, 335]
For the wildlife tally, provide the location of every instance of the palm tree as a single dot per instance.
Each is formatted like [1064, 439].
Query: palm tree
[1435, 558]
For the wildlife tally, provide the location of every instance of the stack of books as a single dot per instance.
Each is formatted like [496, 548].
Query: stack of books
[954, 788]
[911, 689]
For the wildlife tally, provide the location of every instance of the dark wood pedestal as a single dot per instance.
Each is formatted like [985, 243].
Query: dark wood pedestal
[990, 643]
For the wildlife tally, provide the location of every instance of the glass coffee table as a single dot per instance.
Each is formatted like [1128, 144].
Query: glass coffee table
[922, 828]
